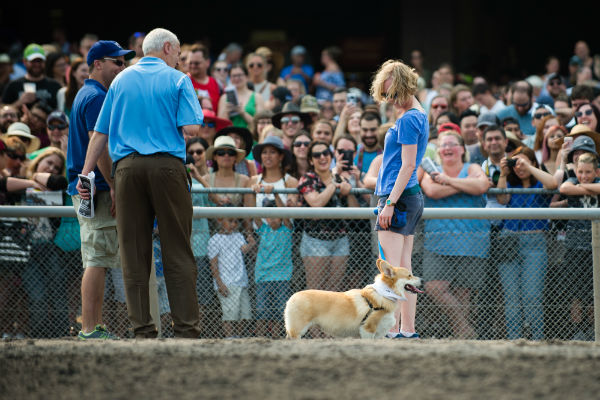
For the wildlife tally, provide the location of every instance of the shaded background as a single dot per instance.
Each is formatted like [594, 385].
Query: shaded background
[499, 40]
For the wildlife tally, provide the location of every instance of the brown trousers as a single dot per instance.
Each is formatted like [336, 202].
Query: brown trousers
[145, 187]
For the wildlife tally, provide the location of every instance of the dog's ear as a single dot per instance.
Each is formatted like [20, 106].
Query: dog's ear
[385, 268]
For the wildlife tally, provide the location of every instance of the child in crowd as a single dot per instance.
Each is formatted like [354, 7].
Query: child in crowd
[225, 251]
[163, 301]
[583, 191]
[272, 274]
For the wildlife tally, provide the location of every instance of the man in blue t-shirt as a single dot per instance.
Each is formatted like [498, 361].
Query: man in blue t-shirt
[147, 110]
[99, 244]
[369, 148]
[298, 70]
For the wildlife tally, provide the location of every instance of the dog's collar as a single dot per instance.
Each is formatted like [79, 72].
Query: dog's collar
[386, 291]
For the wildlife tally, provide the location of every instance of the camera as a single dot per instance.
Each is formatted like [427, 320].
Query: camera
[511, 162]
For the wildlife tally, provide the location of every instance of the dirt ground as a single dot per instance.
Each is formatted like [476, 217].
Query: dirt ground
[306, 369]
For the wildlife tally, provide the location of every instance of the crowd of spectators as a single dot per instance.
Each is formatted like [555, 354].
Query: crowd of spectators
[303, 127]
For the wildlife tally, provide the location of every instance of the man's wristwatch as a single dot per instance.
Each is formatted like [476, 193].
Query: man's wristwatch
[388, 202]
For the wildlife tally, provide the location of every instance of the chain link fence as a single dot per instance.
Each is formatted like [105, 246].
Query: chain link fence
[485, 279]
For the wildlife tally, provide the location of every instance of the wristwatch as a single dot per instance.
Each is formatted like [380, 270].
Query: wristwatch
[388, 202]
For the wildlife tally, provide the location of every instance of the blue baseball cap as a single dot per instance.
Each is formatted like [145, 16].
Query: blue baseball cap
[107, 48]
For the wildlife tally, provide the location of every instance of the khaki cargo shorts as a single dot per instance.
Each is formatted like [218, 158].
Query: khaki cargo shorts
[99, 240]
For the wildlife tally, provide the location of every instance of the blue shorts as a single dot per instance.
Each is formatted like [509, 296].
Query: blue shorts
[414, 209]
[313, 247]
[271, 297]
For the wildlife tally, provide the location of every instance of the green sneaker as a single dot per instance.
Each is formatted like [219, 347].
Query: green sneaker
[99, 332]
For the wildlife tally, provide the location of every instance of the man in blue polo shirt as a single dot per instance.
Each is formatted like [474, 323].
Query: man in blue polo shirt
[99, 244]
[147, 109]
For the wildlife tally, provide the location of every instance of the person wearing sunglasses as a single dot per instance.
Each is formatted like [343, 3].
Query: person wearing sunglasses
[257, 74]
[239, 103]
[324, 247]
[405, 145]
[204, 84]
[15, 157]
[588, 115]
[196, 148]
[439, 104]
[105, 60]
[220, 72]
[300, 145]
[57, 127]
[290, 120]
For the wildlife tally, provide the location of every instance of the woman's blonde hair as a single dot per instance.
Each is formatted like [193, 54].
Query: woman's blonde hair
[404, 82]
[465, 157]
[31, 169]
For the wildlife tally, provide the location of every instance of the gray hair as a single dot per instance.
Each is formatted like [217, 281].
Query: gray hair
[156, 38]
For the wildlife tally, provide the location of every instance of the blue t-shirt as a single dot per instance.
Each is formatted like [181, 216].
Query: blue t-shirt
[524, 120]
[530, 200]
[145, 108]
[412, 128]
[336, 78]
[274, 257]
[307, 69]
[84, 113]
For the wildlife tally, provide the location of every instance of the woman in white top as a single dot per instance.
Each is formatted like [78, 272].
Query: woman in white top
[275, 160]
[257, 74]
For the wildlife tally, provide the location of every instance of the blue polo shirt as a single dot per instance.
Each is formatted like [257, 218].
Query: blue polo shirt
[412, 128]
[84, 113]
[145, 108]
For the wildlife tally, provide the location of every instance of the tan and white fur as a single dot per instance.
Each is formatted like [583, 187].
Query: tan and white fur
[341, 314]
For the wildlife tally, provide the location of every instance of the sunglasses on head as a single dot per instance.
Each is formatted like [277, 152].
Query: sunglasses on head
[301, 143]
[59, 127]
[579, 114]
[118, 63]
[208, 124]
[223, 152]
[318, 154]
[541, 115]
[198, 152]
[15, 156]
[293, 120]
[257, 65]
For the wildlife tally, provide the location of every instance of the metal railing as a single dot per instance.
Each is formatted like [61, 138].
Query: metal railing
[33, 303]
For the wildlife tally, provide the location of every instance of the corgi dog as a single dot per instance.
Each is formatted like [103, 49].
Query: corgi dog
[364, 313]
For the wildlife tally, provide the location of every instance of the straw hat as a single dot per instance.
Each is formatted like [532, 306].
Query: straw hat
[581, 129]
[21, 130]
[225, 142]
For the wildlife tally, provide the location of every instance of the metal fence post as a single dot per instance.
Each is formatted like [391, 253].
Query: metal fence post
[596, 256]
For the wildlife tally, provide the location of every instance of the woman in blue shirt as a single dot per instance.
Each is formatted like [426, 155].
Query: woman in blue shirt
[397, 183]
[523, 270]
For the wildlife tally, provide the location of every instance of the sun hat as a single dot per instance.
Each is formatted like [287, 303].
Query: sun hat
[244, 133]
[291, 108]
[21, 130]
[581, 129]
[225, 142]
[276, 142]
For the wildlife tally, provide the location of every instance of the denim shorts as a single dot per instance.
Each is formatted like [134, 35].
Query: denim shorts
[414, 209]
[271, 297]
[313, 247]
